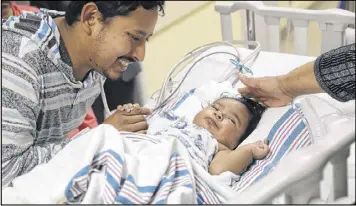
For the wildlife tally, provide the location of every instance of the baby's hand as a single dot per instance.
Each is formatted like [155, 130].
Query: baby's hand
[260, 149]
[128, 107]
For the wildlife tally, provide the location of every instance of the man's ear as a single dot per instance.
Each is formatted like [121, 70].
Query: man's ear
[89, 17]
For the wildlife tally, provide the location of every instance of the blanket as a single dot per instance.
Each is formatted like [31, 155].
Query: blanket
[105, 166]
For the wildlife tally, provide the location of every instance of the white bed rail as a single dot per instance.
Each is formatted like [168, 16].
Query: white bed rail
[302, 176]
[298, 175]
[332, 23]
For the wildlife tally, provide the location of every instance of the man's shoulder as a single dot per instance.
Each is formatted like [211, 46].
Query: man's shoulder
[15, 44]
[30, 34]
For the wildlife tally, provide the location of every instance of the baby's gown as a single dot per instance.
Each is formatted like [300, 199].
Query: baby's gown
[201, 144]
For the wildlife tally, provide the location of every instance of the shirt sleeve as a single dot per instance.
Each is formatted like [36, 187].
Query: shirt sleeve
[335, 72]
[20, 110]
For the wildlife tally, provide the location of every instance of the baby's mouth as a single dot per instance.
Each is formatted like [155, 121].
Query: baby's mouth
[211, 122]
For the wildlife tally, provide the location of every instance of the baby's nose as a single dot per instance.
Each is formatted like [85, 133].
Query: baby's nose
[218, 115]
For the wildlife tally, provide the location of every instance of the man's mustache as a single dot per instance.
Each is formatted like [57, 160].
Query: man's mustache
[130, 59]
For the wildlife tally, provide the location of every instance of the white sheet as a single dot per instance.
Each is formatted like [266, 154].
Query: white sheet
[133, 170]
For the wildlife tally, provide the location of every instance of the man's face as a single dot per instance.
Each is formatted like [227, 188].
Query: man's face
[119, 41]
[6, 10]
[226, 119]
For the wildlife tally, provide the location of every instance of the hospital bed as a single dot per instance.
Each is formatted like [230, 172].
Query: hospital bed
[322, 172]
[319, 173]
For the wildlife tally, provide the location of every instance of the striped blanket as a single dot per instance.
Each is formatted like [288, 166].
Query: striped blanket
[288, 134]
[108, 167]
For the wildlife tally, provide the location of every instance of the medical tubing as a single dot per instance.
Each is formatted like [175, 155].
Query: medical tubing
[189, 55]
[107, 112]
[185, 76]
[200, 50]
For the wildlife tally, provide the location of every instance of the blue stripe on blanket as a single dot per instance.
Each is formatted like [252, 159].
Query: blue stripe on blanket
[114, 154]
[278, 124]
[200, 199]
[113, 183]
[282, 151]
[68, 193]
[273, 131]
[109, 158]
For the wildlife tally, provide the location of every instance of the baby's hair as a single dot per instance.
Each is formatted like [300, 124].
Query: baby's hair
[255, 109]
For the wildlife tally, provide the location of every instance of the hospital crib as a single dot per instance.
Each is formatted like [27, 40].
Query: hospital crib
[303, 176]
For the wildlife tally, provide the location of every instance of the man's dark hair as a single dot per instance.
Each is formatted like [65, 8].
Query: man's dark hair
[111, 8]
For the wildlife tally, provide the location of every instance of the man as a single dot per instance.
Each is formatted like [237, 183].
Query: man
[51, 68]
[10, 8]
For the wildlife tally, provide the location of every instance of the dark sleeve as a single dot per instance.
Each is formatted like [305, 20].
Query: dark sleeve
[335, 72]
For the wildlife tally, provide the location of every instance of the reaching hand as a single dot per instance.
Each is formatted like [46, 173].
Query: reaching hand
[268, 90]
[260, 149]
[129, 118]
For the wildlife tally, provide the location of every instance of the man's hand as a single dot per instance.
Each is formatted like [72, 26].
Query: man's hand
[260, 149]
[267, 90]
[129, 118]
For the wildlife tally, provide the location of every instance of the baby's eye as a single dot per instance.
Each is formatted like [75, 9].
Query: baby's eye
[214, 107]
[232, 120]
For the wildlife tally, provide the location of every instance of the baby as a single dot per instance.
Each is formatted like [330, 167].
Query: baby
[216, 132]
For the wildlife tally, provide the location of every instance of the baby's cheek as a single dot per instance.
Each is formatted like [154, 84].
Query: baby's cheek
[231, 132]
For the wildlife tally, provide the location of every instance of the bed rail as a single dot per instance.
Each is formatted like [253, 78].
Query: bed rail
[317, 174]
[332, 23]
[297, 177]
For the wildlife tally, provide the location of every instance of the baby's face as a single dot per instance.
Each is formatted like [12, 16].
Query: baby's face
[226, 119]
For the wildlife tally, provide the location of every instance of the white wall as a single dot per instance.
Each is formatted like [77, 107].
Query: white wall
[169, 44]
[188, 25]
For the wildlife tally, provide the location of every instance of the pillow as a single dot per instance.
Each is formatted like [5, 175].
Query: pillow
[287, 134]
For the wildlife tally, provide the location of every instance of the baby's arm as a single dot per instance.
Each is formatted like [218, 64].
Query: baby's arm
[237, 160]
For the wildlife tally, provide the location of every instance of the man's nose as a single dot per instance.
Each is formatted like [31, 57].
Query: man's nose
[139, 52]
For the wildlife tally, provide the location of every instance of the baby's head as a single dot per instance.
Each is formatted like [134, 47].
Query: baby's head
[230, 120]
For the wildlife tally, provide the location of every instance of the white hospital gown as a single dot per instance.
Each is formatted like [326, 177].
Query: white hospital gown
[200, 143]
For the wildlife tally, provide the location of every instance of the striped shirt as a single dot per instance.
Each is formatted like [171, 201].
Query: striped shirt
[41, 100]
[335, 72]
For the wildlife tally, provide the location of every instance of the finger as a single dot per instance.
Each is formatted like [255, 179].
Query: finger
[244, 91]
[139, 111]
[137, 127]
[133, 119]
[136, 105]
[249, 82]
[266, 141]
[142, 132]
[120, 108]
[128, 107]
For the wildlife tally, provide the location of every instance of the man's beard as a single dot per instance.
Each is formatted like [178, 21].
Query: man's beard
[105, 73]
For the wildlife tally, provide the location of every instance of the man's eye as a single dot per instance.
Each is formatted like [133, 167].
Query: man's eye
[133, 37]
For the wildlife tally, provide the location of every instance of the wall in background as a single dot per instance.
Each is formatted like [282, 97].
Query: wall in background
[168, 45]
[190, 26]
